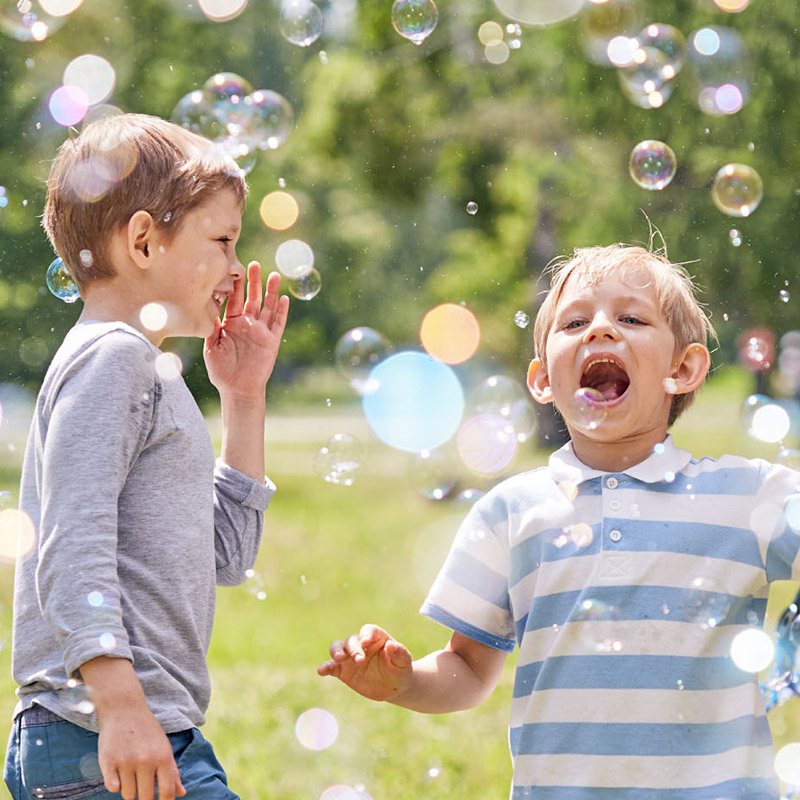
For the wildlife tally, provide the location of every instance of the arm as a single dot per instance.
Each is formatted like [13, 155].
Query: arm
[377, 666]
[133, 751]
[240, 355]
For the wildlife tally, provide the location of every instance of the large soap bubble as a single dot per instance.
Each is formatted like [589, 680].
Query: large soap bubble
[301, 22]
[417, 403]
[539, 12]
[271, 119]
[737, 190]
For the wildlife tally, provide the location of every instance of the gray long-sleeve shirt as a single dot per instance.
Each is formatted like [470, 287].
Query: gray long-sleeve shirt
[134, 526]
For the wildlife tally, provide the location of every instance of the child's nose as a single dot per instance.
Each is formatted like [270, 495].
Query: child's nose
[237, 270]
[601, 327]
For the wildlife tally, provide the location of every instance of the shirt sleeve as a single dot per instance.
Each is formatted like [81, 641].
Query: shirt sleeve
[470, 594]
[239, 505]
[97, 422]
[776, 519]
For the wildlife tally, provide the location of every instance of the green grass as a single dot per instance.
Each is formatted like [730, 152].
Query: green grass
[335, 557]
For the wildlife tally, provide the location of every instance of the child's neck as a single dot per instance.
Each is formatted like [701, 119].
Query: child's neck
[616, 456]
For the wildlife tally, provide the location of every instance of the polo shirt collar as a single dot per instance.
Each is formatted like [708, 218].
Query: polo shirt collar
[565, 465]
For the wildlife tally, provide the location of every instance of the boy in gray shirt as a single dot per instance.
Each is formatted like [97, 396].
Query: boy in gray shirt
[135, 524]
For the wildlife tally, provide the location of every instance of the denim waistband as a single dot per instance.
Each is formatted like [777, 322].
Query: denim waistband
[38, 715]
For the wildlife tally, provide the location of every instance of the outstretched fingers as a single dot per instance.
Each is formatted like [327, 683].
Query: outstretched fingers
[252, 307]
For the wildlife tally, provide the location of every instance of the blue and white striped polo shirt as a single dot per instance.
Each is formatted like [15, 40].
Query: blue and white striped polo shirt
[623, 592]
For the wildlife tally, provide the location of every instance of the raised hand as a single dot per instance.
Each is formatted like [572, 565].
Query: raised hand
[240, 354]
[371, 663]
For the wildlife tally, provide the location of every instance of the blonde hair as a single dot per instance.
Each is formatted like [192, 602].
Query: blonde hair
[122, 164]
[671, 283]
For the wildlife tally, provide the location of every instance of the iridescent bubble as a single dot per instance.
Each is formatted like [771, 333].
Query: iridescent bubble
[60, 282]
[294, 258]
[357, 353]
[598, 625]
[414, 20]
[93, 74]
[68, 105]
[195, 112]
[603, 23]
[784, 295]
[487, 443]
[231, 103]
[417, 404]
[735, 237]
[737, 190]
[450, 333]
[77, 697]
[432, 474]
[521, 319]
[652, 164]
[591, 407]
[721, 69]
[507, 398]
[301, 22]
[316, 729]
[644, 82]
[669, 41]
[472, 208]
[279, 210]
[339, 461]
[307, 287]
[539, 12]
[271, 119]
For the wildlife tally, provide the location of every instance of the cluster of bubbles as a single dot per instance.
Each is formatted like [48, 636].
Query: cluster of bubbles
[498, 42]
[241, 120]
[294, 259]
[414, 20]
[34, 20]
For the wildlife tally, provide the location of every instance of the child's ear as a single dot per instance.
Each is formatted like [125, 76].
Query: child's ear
[690, 369]
[539, 383]
[140, 231]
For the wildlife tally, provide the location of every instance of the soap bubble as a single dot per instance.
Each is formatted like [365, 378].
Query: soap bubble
[279, 210]
[472, 207]
[598, 626]
[316, 729]
[432, 474]
[195, 112]
[68, 105]
[306, 287]
[357, 353]
[752, 650]
[497, 53]
[294, 258]
[644, 81]
[784, 295]
[704, 604]
[93, 74]
[339, 461]
[450, 333]
[414, 20]
[487, 443]
[34, 20]
[271, 119]
[670, 42]
[222, 10]
[732, 6]
[521, 319]
[539, 12]
[490, 33]
[737, 190]
[591, 407]
[153, 316]
[735, 236]
[417, 403]
[340, 791]
[507, 398]
[300, 22]
[603, 23]
[768, 422]
[757, 349]
[254, 584]
[60, 282]
[652, 164]
[229, 95]
[721, 69]
[168, 366]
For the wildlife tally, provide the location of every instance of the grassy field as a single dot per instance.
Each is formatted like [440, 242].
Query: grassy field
[335, 557]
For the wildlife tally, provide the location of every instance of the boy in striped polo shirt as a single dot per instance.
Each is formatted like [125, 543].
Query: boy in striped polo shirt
[622, 570]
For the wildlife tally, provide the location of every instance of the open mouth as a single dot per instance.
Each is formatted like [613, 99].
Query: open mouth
[607, 377]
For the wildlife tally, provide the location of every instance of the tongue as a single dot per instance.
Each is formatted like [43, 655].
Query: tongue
[611, 390]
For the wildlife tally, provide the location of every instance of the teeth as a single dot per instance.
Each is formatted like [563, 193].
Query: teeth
[600, 361]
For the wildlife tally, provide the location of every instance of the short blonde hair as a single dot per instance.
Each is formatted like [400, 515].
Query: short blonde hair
[672, 284]
[122, 164]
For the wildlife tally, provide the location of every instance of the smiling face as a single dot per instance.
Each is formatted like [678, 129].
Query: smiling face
[193, 272]
[608, 335]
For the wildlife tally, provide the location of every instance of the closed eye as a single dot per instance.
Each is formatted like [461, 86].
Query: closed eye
[225, 239]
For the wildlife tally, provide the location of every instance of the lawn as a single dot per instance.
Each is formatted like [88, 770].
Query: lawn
[335, 557]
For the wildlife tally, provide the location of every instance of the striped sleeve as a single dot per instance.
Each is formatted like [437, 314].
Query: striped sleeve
[470, 594]
[776, 521]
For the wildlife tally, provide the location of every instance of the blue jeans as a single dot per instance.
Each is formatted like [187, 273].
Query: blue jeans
[49, 758]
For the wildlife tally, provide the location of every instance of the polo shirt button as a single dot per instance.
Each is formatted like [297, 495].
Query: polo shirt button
[615, 535]
[612, 483]
[615, 504]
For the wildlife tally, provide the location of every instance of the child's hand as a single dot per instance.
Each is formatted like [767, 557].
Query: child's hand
[371, 663]
[241, 352]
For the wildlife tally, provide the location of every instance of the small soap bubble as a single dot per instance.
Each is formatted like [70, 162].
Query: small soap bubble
[270, 122]
[497, 52]
[490, 33]
[3, 197]
[339, 461]
[487, 443]
[294, 258]
[307, 287]
[316, 729]
[659, 449]
[432, 474]
[357, 353]
[735, 237]
[472, 208]
[784, 295]
[581, 534]
[76, 697]
[591, 407]
[323, 57]
[301, 22]
[279, 210]
[282, 183]
[414, 20]
[521, 319]
[756, 351]
[652, 165]
[60, 282]
[195, 112]
[737, 190]
[539, 12]
[508, 399]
